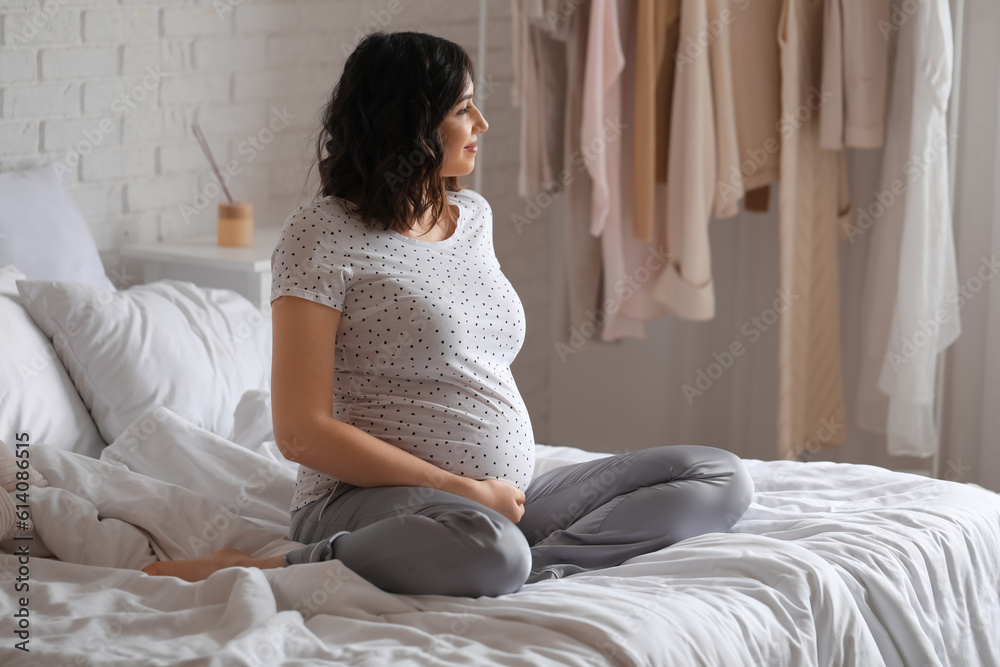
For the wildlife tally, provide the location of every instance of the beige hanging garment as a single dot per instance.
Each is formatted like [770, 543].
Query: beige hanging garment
[657, 26]
[811, 202]
[703, 146]
[855, 70]
[632, 266]
[757, 100]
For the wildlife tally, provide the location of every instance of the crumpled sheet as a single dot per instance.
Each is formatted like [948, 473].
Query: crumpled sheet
[833, 564]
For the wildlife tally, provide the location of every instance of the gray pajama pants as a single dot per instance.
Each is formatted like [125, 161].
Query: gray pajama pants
[584, 516]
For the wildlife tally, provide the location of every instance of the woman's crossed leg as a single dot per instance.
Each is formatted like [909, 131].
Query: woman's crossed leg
[601, 513]
[584, 516]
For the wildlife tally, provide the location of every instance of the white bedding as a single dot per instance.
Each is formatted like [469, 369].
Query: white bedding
[833, 564]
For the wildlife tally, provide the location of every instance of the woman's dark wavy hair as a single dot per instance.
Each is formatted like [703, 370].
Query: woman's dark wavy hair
[379, 128]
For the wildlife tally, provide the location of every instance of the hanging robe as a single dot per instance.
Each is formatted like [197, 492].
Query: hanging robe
[912, 307]
[811, 205]
[703, 145]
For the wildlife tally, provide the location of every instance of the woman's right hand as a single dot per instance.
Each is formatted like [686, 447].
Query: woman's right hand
[501, 496]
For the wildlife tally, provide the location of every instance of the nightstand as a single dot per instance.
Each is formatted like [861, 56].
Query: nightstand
[199, 259]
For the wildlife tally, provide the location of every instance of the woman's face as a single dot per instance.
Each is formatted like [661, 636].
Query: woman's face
[459, 130]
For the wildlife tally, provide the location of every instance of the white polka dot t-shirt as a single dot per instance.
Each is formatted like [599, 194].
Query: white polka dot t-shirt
[427, 335]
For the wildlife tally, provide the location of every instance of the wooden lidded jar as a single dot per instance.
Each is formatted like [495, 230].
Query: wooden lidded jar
[235, 224]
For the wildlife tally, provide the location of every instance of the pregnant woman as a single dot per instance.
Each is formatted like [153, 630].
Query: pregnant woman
[394, 332]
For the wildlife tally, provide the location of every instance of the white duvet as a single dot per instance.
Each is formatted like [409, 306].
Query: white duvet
[833, 564]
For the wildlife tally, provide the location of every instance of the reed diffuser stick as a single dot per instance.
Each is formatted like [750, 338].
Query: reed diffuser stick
[203, 142]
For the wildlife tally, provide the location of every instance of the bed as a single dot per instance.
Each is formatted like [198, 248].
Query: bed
[147, 411]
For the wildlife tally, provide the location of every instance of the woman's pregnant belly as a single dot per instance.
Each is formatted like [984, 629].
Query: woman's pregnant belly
[472, 435]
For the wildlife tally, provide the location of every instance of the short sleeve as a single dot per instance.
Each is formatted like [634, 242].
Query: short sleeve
[308, 262]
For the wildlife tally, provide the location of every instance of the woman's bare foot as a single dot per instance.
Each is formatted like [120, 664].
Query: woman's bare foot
[199, 569]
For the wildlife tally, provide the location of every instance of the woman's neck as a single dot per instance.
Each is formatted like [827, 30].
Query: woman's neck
[436, 230]
[426, 229]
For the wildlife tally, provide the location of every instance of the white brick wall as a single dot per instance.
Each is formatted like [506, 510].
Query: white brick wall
[111, 88]
[120, 25]
[34, 100]
[54, 24]
[57, 63]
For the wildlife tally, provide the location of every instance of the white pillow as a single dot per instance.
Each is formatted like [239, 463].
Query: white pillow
[36, 394]
[169, 343]
[42, 231]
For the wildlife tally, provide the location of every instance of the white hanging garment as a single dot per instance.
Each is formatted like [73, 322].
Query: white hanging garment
[912, 300]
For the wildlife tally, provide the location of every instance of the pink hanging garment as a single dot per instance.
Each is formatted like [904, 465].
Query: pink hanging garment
[601, 141]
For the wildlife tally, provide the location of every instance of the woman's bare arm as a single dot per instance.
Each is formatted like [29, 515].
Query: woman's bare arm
[306, 432]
